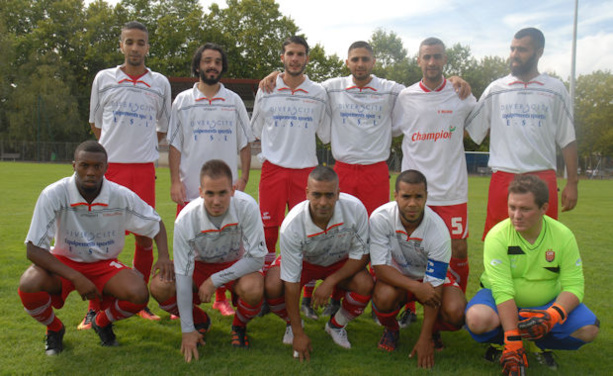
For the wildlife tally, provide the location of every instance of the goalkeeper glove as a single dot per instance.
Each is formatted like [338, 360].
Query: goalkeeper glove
[513, 360]
[538, 323]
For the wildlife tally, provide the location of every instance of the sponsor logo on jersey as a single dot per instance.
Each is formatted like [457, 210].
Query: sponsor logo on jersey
[495, 262]
[433, 136]
[550, 255]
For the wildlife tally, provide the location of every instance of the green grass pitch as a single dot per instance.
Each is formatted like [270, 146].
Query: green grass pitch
[152, 348]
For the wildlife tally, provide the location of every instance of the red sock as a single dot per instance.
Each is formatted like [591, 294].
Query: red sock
[94, 304]
[245, 312]
[143, 261]
[199, 315]
[118, 310]
[308, 289]
[38, 305]
[220, 294]
[337, 294]
[388, 320]
[460, 269]
[351, 307]
[410, 306]
[170, 306]
[277, 306]
[271, 234]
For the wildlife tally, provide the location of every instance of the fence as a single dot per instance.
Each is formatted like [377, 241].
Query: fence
[37, 151]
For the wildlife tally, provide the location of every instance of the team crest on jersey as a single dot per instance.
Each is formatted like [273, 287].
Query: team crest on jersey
[550, 255]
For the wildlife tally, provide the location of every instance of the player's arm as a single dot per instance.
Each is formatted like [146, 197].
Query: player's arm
[570, 193]
[177, 189]
[302, 343]
[45, 260]
[424, 292]
[245, 156]
[513, 359]
[95, 130]
[424, 348]
[190, 337]
[163, 263]
[268, 83]
[461, 87]
[324, 290]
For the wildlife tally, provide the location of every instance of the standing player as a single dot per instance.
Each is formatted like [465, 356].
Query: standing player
[431, 116]
[361, 107]
[129, 112]
[207, 122]
[218, 240]
[87, 216]
[410, 250]
[324, 237]
[286, 121]
[533, 283]
[527, 114]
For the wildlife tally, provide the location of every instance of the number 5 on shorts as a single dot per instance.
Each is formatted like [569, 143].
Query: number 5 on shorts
[456, 226]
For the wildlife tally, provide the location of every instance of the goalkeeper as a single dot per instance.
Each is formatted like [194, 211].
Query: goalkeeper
[533, 284]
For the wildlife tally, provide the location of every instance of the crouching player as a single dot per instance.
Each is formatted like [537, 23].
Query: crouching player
[322, 238]
[218, 241]
[533, 283]
[410, 249]
[88, 216]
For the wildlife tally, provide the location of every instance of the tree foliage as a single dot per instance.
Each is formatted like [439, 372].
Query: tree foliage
[52, 49]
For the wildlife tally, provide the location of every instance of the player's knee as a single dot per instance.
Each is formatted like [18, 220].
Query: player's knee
[273, 286]
[587, 333]
[161, 290]
[32, 280]
[251, 288]
[384, 300]
[481, 319]
[459, 248]
[453, 314]
[364, 283]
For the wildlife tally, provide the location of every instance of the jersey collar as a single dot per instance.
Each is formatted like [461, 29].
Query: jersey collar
[76, 200]
[311, 230]
[439, 88]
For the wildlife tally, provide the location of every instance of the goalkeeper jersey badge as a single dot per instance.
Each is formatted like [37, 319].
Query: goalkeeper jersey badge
[550, 255]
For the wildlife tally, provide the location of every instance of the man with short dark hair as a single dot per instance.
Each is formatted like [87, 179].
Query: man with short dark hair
[430, 116]
[129, 113]
[533, 283]
[324, 237]
[207, 122]
[218, 241]
[410, 250]
[526, 114]
[286, 121]
[86, 216]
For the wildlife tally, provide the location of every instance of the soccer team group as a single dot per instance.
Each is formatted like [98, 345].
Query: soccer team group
[532, 286]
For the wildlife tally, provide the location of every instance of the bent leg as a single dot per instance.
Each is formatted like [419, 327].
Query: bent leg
[250, 291]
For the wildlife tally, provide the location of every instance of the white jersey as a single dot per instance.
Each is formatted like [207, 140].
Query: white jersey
[202, 129]
[525, 120]
[301, 240]
[196, 238]
[432, 123]
[89, 232]
[424, 254]
[130, 113]
[361, 130]
[286, 122]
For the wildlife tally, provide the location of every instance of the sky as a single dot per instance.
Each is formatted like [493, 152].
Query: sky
[486, 26]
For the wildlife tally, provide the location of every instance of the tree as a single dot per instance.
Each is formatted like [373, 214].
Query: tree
[392, 62]
[252, 32]
[594, 114]
[321, 67]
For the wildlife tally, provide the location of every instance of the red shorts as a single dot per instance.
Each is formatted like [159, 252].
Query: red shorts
[455, 217]
[497, 209]
[202, 271]
[99, 272]
[139, 177]
[180, 207]
[311, 272]
[369, 183]
[280, 187]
